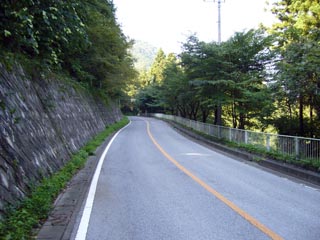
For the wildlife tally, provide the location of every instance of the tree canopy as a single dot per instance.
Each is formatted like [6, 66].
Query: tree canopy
[209, 76]
[297, 37]
[82, 38]
[257, 79]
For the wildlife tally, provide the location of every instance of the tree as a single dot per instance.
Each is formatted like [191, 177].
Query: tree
[161, 87]
[248, 55]
[158, 67]
[230, 75]
[192, 64]
[296, 15]
[208, 77]
[107, 61]
[46, 29]
[207, 67]
[81, 38]
[148, 99]
[298, 78]
[174, 84]
[298, 35]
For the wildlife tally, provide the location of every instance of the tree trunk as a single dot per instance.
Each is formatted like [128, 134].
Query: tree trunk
[242, 118]
[205, 114]
[182, 111]
[194, 110]
[215, 116]
[219, 115]
[234, 116]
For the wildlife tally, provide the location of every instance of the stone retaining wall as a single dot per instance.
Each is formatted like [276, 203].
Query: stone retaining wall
[42, 122]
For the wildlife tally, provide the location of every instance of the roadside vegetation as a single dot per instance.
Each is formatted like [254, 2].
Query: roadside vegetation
[80, 39]
[265, 79]
[30, 212]
[259, 152]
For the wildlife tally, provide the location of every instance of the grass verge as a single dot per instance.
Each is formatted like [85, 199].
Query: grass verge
[19, 221]
[309, 164]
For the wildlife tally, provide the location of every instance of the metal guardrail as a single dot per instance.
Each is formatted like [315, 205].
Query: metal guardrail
[295, 147]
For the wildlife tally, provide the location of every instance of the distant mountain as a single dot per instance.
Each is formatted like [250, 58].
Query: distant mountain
[144, 53]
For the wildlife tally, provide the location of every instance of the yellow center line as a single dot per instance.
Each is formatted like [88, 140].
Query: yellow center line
[230, 204]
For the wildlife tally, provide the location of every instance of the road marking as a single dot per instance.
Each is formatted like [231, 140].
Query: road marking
[84, 223]
[196, 154]
[226, 201]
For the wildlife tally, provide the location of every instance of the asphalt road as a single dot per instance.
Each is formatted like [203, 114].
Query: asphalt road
[156, 184]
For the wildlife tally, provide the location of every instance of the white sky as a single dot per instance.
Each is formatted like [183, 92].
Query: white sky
[167, 23]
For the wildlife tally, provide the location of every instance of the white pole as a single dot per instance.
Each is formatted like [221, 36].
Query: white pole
[219, 17]
[219, 21]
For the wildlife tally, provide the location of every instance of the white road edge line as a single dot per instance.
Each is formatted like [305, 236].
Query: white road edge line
[84, 223]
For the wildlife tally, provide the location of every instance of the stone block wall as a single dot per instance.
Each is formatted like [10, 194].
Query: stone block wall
[42, 122]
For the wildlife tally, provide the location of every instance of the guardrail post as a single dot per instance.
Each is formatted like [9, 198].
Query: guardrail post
[230, 135]
[268, 142]
[246, 137]
[296, 141]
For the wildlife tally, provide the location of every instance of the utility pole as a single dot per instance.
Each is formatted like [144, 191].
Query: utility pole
[219, 17]
[218, 111]
[219, 21]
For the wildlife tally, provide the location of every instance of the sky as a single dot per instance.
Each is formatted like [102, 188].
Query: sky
[166, 24]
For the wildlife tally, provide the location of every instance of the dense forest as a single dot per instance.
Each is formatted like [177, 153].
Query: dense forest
[80, 39]
[264, 79]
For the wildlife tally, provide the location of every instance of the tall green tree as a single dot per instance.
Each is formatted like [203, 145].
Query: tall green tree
[298, 36]
[192, 64]
[162, 85]
[107, 61]
[230, 75]
[174, 85]
[158, 67]
[248, 54]
[298, 79]
[208, 78]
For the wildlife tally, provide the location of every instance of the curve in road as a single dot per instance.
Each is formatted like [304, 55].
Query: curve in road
[141, 195]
